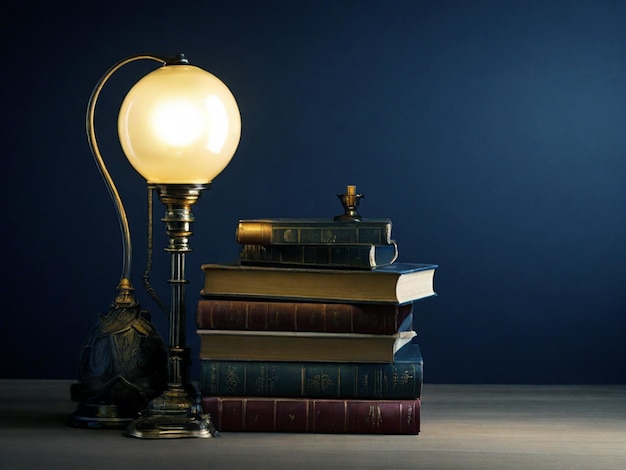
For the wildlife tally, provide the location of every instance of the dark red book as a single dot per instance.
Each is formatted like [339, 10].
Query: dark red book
[324, 416]
[270, 315]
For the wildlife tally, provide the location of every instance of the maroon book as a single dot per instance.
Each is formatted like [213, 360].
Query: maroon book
[259, 315]
[331, 416]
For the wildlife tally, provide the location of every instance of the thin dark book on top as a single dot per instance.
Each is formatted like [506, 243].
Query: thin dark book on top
[285, 231]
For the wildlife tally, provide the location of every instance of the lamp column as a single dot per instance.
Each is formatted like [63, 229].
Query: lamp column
[176, 413]
[178, 218]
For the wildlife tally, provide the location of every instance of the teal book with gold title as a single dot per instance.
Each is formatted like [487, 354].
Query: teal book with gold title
[401, 379]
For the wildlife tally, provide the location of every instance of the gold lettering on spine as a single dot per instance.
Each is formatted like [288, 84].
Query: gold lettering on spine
[319, 383]
[260, 379]
[401, 379]
[365, 381]
[409, 414]
[231, 380]
[374, 417]
[271, 380]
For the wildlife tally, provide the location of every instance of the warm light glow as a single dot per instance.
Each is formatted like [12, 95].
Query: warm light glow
[179, 124]
[218, 117]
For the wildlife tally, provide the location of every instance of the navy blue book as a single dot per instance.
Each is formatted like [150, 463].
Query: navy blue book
[362, 256]
[286, 231]
[400, 379]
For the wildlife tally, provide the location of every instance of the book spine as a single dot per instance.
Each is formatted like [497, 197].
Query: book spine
[260, 232]
[398, 380]
[300, 346]
[320, 256]
[232, 314]
[241, 414]
[397, 283]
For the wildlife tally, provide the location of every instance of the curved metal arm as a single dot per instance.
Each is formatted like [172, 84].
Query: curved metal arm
[95, 150]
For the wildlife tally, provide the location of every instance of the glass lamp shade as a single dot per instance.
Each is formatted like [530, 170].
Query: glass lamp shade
[179, 125]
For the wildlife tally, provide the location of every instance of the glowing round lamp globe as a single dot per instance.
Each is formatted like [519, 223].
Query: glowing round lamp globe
[179, 125]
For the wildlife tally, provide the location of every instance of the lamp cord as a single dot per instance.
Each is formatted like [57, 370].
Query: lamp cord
[95, 150]
[146, 275]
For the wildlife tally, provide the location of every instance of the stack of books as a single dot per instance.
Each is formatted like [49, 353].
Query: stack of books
[312, 331]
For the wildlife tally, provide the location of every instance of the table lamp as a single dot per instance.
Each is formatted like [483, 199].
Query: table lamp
[179, 127]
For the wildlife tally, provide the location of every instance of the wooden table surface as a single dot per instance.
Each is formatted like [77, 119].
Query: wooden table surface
[463, 427]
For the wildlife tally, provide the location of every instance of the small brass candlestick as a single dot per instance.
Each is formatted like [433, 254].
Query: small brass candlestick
[350, 201]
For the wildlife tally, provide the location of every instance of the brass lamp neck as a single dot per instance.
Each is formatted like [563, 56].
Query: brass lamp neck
[178, 199]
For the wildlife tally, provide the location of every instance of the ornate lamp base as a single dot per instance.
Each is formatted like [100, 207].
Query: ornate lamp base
[122, 365]
[172, 415]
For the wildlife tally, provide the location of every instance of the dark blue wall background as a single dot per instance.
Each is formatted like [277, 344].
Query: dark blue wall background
[493, 134]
